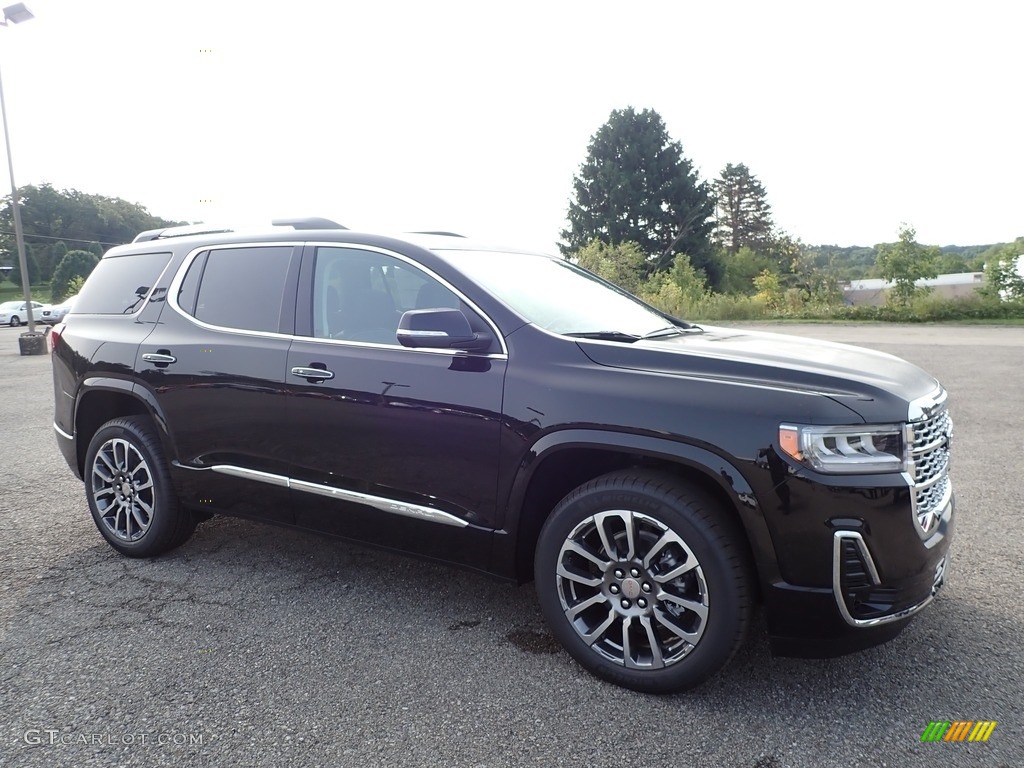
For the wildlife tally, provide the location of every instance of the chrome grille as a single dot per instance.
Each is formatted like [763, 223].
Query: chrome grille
[929, 463]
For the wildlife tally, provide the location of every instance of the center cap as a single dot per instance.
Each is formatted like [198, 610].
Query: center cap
[126, 489]
[631, 588]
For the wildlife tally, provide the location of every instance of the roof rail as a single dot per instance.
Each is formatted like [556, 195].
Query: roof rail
[308, 222]
[182, 231]
[436, 232]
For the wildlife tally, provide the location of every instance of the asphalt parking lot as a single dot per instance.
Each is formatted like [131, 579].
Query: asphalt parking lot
[256, 646]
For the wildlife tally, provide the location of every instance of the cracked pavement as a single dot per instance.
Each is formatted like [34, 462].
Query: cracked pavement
[258, 646]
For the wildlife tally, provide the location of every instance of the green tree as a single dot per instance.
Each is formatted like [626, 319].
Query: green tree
[636, 186]
[33, 269]
[743, 218]
[741, 268]
[904, 263]
[680, 291]
[74, 264]
[49, 214]
[1003, 278]
[623, 264]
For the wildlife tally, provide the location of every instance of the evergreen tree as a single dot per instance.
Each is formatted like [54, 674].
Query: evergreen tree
[743, 218]
[636, 186]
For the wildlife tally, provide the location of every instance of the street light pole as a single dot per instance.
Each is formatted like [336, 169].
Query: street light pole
[15, 14]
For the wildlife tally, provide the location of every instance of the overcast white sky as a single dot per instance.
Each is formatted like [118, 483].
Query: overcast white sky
[474, 116]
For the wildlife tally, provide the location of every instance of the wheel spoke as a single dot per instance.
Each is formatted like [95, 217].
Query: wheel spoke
[580, 607]
[691, 605]
[657, 660]
[598, 632]
[627, 644]
[676, 572]
[667, 623]
[668, 537]
[103, 457]
[579, 578]
[610, 549]
[579, 549]
[137, 515]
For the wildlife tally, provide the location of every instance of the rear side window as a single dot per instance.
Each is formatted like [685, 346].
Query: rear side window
[239, 287]
[118, 285]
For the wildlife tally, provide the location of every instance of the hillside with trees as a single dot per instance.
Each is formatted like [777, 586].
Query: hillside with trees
[58, 222]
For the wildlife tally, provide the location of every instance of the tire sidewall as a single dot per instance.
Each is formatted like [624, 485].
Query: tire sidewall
[727, 610]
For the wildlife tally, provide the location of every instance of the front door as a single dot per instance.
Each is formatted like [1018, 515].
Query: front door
[390, 445]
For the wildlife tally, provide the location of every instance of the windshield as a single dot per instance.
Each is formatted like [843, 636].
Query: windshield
[557, 295]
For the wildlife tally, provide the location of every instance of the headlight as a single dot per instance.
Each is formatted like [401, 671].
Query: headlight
[846, 450]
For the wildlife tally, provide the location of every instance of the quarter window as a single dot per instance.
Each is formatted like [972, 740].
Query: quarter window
[118, 285]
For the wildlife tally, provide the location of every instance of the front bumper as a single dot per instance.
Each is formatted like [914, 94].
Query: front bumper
[861, 609]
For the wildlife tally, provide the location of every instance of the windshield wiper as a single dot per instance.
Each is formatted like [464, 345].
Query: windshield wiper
[672, 330]
[606, 336]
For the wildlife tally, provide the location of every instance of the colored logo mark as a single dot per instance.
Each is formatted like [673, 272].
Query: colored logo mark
[960, 730]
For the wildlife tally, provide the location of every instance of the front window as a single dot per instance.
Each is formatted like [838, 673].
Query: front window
[558, 296]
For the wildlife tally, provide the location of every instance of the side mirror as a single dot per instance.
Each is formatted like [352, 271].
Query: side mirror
[439, 329]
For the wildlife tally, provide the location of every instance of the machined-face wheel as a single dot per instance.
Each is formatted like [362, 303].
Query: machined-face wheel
[632, 589]
[626, 566]
[129, 490]
[122, 486]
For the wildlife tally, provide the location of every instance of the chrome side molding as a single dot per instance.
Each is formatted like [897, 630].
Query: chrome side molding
[404, 508]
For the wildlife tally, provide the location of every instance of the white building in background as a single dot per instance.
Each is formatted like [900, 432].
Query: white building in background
[873, 291]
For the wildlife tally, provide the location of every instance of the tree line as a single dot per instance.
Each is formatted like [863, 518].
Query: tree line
[66, 232]
[640, 217]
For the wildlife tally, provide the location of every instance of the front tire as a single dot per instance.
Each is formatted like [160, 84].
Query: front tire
[645, 581]
[15, 321]
[129, 490]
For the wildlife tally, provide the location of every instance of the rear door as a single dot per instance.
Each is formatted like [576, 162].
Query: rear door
[216, 366]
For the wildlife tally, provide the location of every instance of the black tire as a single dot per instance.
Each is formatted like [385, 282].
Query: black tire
[688, 575]
[15, 321]
[129, 490]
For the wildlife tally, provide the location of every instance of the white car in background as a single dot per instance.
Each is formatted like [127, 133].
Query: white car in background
[51, 315]
[13, 313]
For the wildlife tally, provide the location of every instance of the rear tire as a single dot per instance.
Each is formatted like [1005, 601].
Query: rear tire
[129, 490]
[644, 581]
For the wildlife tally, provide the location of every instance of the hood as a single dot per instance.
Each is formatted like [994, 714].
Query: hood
[876, 385]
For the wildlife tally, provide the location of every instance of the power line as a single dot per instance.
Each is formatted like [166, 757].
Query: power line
[65, 239]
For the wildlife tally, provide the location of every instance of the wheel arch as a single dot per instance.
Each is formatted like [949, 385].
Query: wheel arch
[103, 399]
[562, 461]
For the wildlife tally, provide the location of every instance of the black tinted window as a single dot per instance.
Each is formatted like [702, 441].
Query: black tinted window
[360, 295]
[190, 285]
[115, 285]
[244, 288]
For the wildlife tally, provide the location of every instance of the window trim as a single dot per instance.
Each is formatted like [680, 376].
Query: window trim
[304, 251]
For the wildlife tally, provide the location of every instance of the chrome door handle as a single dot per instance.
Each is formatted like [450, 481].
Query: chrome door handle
[312, 373]
[154, 357]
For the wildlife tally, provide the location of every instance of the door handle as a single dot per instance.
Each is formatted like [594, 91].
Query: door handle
[312, 373]
[159, 358]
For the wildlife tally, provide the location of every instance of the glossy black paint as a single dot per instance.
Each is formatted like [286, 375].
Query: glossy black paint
[496, 439]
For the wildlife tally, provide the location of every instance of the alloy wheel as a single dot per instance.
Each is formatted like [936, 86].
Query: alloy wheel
[122, 486]
[632, 589]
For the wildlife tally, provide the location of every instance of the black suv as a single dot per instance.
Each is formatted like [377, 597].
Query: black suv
[514, 414]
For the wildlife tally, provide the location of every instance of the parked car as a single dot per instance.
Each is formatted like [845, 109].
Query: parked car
[511, 413]
[14, 313]
[52, 315]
